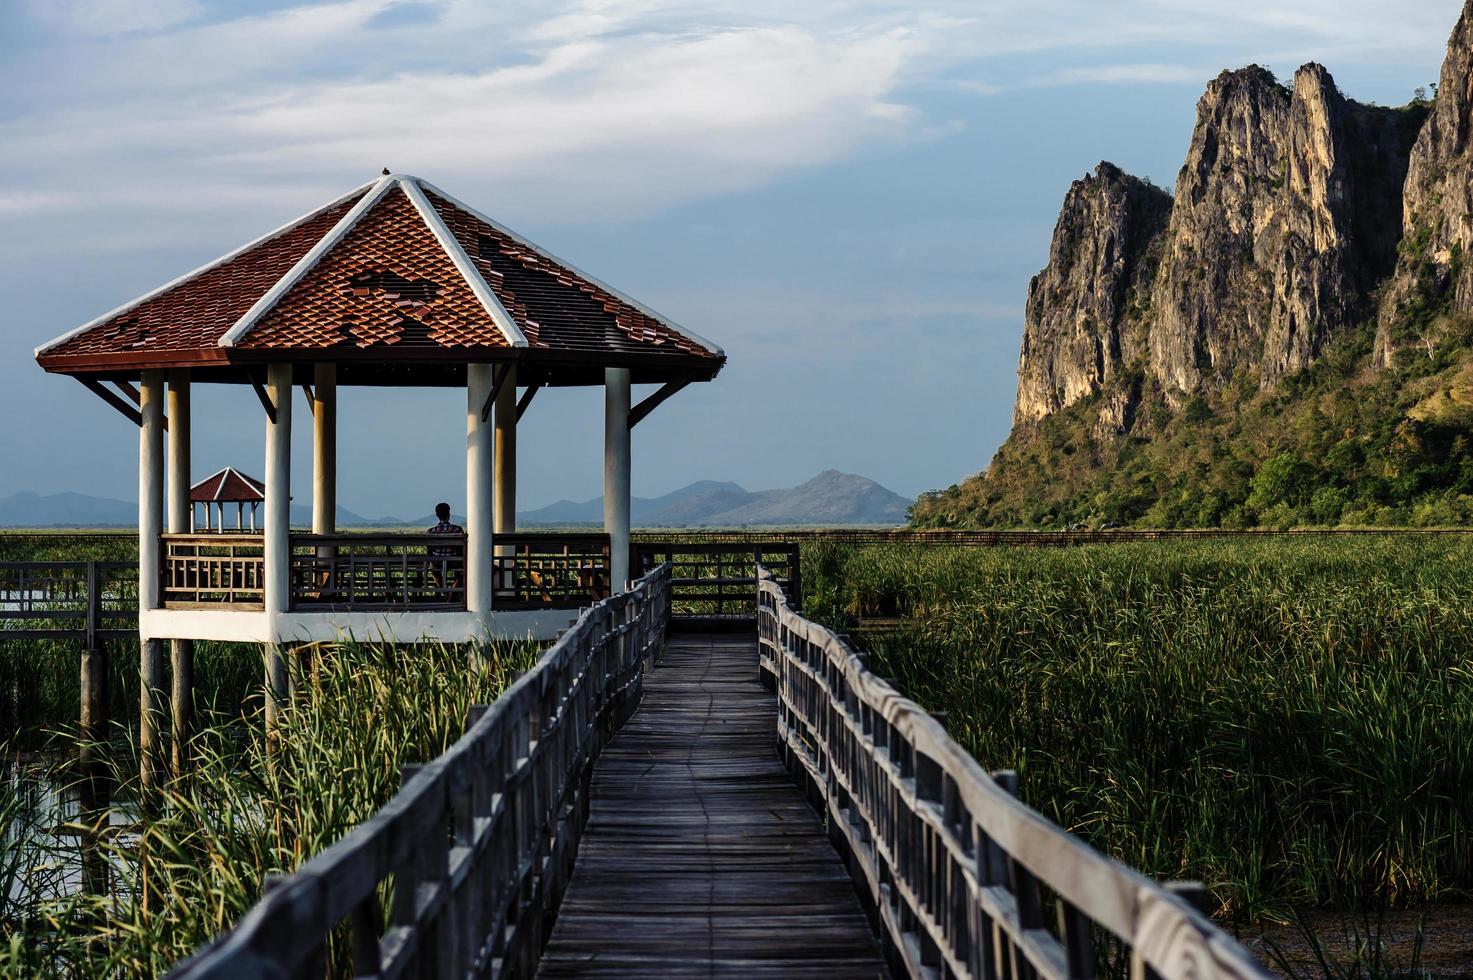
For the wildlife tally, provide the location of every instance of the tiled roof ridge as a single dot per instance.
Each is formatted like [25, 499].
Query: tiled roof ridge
[233, 254]
[608, 293]
[409, 186]
[388, 280]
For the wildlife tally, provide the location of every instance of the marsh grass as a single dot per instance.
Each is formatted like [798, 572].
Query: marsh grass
[1289, 721]
[186, 870]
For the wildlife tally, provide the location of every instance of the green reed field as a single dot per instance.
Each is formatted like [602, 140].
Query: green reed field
[181, 872]
[1289, 721]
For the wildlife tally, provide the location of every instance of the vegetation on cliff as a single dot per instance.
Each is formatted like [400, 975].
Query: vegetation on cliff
[1340, 443]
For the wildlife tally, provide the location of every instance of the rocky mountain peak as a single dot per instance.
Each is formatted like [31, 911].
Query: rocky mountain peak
[1282, 225]
[1081, 327]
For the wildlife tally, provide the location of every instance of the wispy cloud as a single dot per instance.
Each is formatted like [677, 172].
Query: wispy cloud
[104, 17]
[575, 108]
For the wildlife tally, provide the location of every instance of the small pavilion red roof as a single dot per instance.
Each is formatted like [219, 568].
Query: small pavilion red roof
[396, 270]
[228, 486]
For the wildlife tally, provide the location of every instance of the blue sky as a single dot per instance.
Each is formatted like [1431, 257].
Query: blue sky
[849, 196]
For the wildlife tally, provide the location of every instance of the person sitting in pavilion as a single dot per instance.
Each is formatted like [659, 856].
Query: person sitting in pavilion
[447, 557]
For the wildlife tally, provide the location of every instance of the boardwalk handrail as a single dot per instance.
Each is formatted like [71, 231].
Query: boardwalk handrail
[90, 601]
[480, 842]
[958, 870]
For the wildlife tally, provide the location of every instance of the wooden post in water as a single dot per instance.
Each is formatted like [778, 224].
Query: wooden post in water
[181, 652]
[95, 791]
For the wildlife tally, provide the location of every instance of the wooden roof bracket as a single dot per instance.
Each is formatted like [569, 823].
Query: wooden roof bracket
[529, 394]
[638, 413]
[129, 412]
[496, 384]
[266, 401]
[120, 399]
[311, 398]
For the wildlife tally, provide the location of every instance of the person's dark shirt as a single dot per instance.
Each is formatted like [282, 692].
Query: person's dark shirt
[445, 551]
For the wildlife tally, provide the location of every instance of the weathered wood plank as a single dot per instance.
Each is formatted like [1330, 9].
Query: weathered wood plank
[701, 857]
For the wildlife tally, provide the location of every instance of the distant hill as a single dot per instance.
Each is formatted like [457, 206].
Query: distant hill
[27, 509]
[641, 509]
[829, 498]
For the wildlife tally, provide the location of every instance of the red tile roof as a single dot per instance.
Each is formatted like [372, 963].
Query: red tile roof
[228, 486]
[395, 269]
[387, 282]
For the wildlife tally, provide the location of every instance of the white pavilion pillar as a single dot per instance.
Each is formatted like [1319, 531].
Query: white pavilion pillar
[325, 449]
[181, 517]
[150, 527]
[506, 454]
[278, 531]
[616, 474]
[479, 478]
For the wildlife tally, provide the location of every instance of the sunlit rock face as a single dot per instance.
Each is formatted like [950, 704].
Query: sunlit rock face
[1279, 230]
[1082, 324]
[1437, 208]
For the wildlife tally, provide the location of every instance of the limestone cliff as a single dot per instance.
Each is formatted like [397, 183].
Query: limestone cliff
[1082, 323]
[1437, 215]
[1173, 349]
[1283, 223]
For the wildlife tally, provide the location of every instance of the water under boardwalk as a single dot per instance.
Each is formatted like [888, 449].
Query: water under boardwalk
[701, 857]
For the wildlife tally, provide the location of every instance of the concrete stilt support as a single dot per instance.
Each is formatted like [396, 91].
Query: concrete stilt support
[616, 473]
[181, 652]
[150, 527]
[479, 456]
[505, 477]
[506, 454]
[278, 533]
[325, 449]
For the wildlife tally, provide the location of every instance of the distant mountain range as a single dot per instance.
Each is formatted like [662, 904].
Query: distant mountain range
[831, 498]
[828, 499]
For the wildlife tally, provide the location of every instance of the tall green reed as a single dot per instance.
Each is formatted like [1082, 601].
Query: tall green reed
[195, 861]
[1290, 721]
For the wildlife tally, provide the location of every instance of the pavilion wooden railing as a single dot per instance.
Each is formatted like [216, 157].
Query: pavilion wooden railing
[475, 850]
[549, 571]
[718, 581]
[213, 570]
[88, 601]
[378, 571]
[957, 871]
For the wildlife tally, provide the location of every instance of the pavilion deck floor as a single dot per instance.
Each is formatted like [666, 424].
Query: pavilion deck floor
[701, 857]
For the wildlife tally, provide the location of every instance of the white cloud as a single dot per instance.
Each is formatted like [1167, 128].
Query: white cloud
[577, 108]
[104, 17]
[18, 202]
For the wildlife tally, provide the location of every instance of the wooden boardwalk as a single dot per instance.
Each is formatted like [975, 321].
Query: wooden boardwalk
[701, 857]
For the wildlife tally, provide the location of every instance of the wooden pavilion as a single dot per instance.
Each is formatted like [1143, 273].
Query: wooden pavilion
[395, 284]
[227, 486]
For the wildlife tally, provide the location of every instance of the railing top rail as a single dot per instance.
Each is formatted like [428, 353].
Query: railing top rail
[1161, 927]
[537, 537]
[416, 537]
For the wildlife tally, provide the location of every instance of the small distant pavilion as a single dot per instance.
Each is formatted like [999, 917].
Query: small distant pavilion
[394, 284]
[227, 486]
